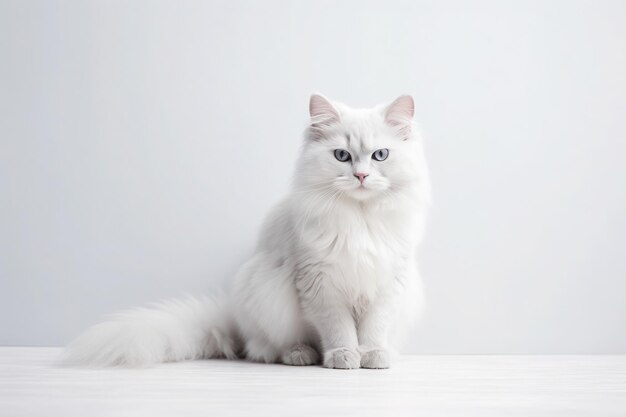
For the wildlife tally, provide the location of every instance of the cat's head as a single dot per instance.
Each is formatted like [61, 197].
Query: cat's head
[360, 154]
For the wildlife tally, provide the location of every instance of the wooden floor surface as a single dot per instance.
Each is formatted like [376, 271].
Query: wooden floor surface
[32, 385]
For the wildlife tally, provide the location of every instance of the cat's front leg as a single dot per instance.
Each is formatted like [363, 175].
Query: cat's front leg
[333, 322]
[372, 334]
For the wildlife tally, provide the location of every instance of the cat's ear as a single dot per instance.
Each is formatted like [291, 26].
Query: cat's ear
[323, 114]
[399, 114]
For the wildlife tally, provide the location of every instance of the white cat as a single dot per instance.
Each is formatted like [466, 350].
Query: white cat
[333, 278]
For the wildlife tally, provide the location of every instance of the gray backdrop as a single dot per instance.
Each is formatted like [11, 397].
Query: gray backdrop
[142, 142]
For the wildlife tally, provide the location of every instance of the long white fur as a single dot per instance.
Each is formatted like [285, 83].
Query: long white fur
[334, 276]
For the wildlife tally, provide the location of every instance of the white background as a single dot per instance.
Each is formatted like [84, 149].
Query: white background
[142, 142]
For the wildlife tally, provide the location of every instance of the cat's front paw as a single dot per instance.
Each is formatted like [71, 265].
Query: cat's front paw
[375, 359]
[342, 358]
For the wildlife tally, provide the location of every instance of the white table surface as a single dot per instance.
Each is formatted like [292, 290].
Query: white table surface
[32, 385]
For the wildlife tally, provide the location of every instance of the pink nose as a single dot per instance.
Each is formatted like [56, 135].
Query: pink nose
[361, 176]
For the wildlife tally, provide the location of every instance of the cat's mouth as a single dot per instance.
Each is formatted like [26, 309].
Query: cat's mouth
[362, 192]
[366, 191]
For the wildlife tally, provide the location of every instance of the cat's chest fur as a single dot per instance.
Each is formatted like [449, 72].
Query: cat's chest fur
[358, 250]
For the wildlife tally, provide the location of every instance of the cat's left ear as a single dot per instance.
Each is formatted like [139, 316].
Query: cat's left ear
[399, 114]
[323, 115]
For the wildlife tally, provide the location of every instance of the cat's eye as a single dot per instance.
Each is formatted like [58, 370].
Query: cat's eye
[381, 154]
[342, 155]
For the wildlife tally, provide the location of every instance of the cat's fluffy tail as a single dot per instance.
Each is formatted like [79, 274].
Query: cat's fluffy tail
[191, 328]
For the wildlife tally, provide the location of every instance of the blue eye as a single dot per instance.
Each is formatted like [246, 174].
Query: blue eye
[342, 155]
[381, 154]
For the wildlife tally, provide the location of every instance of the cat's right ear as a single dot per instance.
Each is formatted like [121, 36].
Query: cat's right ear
[399, 114]
[323, 114]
